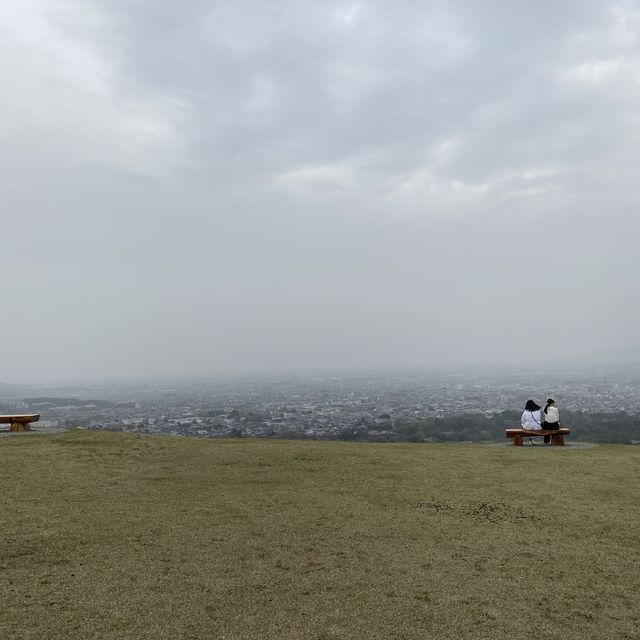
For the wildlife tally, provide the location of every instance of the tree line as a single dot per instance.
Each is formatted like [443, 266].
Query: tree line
[613, 427]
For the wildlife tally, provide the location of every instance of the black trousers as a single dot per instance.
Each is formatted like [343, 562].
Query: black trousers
[551, 426]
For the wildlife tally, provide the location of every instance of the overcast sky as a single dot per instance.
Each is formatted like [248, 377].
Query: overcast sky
[211, 187]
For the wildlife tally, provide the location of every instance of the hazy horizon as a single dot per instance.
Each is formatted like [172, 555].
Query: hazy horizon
[221, 188]
[568, 369]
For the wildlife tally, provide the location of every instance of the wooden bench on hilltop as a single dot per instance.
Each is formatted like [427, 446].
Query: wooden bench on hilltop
[557, 435]
[20, 422]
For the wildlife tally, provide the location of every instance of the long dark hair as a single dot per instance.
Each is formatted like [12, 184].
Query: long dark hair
[531, 406]
[549, 403]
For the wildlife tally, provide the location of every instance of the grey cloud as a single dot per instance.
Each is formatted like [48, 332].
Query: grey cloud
[254, 185]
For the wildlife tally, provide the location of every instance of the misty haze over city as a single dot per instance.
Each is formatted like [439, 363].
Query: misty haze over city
[230, 188]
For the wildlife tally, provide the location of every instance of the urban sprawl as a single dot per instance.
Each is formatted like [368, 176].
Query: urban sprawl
[325, 406]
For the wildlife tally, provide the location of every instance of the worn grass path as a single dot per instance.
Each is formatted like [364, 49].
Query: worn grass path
[142, 537]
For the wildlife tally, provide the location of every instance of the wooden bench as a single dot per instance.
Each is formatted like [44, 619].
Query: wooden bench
[20, 422]
[557, 435]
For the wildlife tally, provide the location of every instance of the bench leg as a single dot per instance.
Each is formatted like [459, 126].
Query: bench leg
[557, 440]
[19, 426]
[517, 440]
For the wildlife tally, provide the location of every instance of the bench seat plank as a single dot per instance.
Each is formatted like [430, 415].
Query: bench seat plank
[557, 435]
[19, 417]
[540, 432]
[19, 421]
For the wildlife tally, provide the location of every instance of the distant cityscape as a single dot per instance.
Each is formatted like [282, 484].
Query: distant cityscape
[327, 406]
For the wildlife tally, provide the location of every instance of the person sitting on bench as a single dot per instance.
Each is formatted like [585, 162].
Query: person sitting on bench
[551, 419]
[531, 419]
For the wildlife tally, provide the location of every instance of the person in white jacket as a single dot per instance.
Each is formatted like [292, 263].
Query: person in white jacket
[551, 417]
[531, 419]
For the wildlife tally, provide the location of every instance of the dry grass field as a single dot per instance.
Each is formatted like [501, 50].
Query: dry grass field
[115, 536]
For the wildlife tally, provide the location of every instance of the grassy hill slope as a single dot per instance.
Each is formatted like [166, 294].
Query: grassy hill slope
[142, 537]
